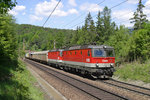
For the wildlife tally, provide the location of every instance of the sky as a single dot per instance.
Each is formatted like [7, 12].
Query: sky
[71, 13]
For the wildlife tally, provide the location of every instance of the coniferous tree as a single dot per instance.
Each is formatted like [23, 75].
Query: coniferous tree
[75, 37]
[99, 29]
[107, 30]
[139, 17]
[89, 29]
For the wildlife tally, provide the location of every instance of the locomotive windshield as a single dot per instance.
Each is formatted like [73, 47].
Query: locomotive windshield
[109, 53]
[103, 53]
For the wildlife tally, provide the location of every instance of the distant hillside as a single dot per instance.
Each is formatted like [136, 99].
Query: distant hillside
[39, 38]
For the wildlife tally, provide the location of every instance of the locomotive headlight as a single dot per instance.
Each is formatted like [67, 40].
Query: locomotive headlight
[104, 47]
[97, 65]
[111, 65]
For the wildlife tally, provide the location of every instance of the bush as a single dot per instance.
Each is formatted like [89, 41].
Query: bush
[134, 71]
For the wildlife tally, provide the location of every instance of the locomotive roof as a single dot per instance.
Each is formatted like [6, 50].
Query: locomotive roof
[55, 50]
[88, 46]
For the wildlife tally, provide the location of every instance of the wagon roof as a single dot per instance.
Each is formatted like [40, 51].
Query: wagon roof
[88, 46]
[39, 52]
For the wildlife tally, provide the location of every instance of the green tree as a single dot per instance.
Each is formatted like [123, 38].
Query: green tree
[6, 5]
[89, 30]
[119, 40]
[99, 29]
[139, 17]
[59, 39]
[140, 44]
[75, 37]
[8, 39]
[108, 27]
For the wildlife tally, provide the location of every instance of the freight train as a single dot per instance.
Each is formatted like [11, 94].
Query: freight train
[97, 61]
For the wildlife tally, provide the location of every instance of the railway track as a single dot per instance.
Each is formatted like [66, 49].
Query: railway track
[129, 87]
[95, 92]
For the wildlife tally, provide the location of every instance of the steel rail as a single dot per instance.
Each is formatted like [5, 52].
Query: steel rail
[47, 70]
[113, 84]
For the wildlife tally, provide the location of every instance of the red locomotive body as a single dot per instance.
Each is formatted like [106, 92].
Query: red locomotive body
[55, 57]
[95, 60]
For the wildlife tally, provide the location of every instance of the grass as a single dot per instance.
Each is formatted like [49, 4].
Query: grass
[134, 71]
[16, 83]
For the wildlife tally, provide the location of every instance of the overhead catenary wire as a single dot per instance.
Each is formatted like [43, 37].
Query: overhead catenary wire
[80, 16]
[120, 24]
[51, 13]
[96, 14]
[129, 13]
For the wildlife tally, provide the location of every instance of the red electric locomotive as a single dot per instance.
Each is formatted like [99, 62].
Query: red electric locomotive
[97, 61]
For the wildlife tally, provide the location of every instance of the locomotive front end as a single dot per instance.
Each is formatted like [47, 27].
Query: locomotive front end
[104, 60]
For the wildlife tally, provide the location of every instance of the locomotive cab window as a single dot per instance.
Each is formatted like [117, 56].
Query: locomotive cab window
[88, 52]
[98, 53]
[103, 53]
[110, 53]
[61, 53]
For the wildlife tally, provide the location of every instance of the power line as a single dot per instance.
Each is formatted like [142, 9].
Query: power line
[80, 15]
[51, 13]
[129, 13]
[96, 14]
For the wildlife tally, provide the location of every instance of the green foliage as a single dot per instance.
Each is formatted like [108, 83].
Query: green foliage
[119, 40]
[6, 5]
[139, 17]
[91, 33]
[140, 44]
[8, 40]
[18, 84]
[134, 71]
[88, 30]
[99, 29]
[39, 38]
[108, 27]
[60, 40]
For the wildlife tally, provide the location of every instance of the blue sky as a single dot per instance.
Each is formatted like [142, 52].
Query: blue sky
[35, 12]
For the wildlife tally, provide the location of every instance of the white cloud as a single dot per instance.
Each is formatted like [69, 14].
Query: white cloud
[12, 12]
[45, 8]
[128, 24]
[72, 2]
[60, 13]
[122, 17]
[90, 7]
[147, 3]
[17, 9]
[23, 13]
[35, 18]
[73, 11]
[123, 14]
[133, 1]
[147, 9]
